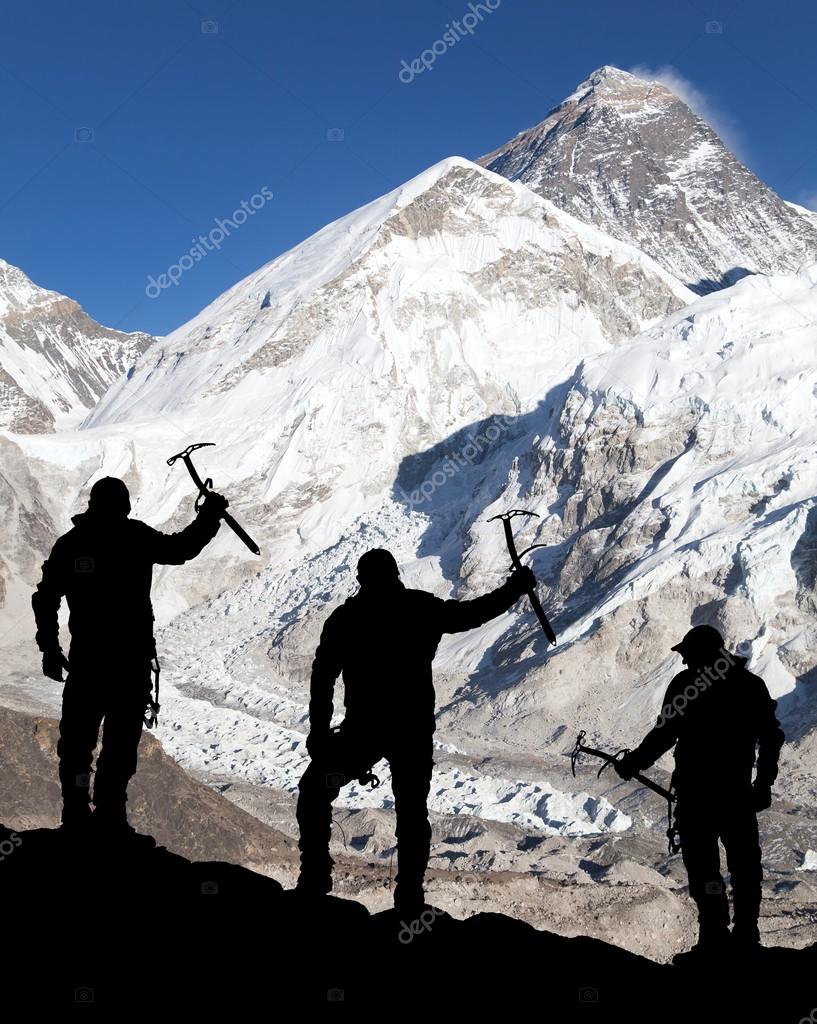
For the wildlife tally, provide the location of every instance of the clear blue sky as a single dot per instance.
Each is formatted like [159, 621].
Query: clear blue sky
[188, 120]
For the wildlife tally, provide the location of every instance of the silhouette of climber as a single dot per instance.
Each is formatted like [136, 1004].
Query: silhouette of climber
[383, 640]
[717, 714]
[103, 568]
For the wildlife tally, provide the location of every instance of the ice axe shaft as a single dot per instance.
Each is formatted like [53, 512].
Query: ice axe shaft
[517, 564]
[204, 487]
[673, 842]
[580, 748]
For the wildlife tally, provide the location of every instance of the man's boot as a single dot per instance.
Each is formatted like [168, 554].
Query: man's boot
[315, 878]
[110, 825]
[409, 899]
[745, 932]
[712, 945]
[76, 819]
[746, 938]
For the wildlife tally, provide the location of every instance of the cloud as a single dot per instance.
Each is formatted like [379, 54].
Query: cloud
[808, 199]
[725, 126]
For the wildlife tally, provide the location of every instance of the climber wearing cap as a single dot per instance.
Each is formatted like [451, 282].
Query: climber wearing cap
[718, 716]
[103, 569]
[383, 639]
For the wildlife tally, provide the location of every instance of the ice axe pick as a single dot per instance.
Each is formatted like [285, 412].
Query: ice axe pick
[506, 518]
[206, 485]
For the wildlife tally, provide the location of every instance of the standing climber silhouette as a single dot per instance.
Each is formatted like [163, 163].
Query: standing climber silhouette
[717, 714]
[103, 568]
[383, 640]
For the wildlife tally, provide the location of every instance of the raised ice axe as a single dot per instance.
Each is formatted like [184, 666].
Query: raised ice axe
[206, 485]
[506, 518]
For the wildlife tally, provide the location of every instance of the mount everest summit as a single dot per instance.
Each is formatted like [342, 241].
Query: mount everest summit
[522, 332]
[627, 155]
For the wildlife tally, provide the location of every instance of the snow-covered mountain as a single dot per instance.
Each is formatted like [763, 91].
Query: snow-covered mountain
[55, 361]
[329, 378]
[630, 157]
[457, 347]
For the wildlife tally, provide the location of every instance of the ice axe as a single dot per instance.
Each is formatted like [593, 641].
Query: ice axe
[506, 518]
[668, 795]
[207, 485]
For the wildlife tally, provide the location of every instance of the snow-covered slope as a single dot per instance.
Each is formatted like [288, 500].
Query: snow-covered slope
[675, 480]
[629, 156]
[453, 304]
[676, 484]
[457, 299]
[55, 361]
[455, 348]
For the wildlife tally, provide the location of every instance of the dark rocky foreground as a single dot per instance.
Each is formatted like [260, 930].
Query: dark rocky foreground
[150, 931]
[158, 931]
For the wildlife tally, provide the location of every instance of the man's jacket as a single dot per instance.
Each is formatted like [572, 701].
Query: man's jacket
[104, 570]
[384, 643]
[717, 720]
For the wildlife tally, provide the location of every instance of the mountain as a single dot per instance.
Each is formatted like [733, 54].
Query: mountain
[675, 484]
[458, 299]
[458, 347]
[629, 156]
[55, 361]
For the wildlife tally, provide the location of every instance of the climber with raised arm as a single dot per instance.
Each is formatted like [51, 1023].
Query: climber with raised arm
[103, 568]
[383, 640]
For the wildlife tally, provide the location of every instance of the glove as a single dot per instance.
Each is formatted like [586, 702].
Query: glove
[213, 505]
[761, 795]
[625, 766]
[316, 743]
[54, 662]
[522, 580]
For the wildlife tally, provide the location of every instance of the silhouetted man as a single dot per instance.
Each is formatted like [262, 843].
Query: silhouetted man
[103, 568]
[383, 640]
[717, 715]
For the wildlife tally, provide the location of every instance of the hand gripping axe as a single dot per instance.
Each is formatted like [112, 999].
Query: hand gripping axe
[207, 485]
[506, 518]
[608, 759]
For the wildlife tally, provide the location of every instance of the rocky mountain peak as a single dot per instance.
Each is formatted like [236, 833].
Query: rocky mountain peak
[56, 362]
[629, 156]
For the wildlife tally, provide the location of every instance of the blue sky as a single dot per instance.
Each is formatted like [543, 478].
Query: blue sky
[129, 127]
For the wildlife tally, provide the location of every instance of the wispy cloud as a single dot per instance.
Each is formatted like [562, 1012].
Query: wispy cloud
[808, 199]
[697, 101]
